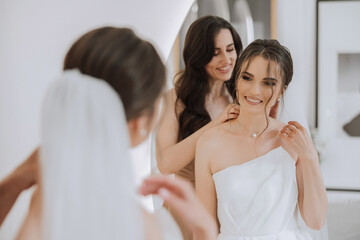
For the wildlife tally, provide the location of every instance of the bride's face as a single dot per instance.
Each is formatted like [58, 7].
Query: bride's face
[259, 85]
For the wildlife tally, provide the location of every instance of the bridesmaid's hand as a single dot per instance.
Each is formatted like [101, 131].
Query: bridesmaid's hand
[232, 111]
[295, 138]
[274, 110]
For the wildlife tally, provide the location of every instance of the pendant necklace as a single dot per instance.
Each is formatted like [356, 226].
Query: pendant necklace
[252, 134]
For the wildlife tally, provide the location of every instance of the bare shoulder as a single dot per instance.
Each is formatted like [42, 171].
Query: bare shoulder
[275, 129]
[212, 138]
[277, 125]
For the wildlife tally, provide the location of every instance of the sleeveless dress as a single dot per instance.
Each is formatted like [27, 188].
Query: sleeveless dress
[257, 200]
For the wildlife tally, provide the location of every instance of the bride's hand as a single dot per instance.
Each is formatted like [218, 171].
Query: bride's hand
[230, 112]
[295, 138]
[180, 196]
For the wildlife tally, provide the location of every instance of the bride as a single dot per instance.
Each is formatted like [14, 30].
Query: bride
[254, 173]
[105, 101]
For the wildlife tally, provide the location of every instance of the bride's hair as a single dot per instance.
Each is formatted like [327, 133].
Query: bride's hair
[110, 76]
[130, 65]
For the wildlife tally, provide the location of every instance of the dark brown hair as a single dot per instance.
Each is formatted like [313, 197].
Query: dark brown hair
[130, 65]
[192, 84]
[274, 52]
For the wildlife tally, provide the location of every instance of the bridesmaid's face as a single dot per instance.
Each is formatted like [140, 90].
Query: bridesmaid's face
[259, 85]
[222, 64]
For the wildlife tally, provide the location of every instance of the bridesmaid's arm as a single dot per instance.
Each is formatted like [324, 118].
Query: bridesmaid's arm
[172, 155]
[205, 187]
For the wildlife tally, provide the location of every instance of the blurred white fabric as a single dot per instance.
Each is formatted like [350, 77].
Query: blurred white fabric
[87, 175]
[35, 37]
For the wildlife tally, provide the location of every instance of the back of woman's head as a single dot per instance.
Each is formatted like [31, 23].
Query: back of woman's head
[274, 52]
[111, 76]
[130, 65]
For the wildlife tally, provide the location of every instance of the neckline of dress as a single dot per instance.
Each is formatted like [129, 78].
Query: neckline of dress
[249, 161]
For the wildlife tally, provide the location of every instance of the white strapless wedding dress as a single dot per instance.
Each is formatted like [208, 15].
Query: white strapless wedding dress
[257, 200]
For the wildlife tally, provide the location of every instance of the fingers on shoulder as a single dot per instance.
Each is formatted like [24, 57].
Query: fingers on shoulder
[297, 125]
[233, 108]
[287, 132]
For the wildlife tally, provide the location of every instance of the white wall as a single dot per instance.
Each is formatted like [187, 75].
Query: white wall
[35, 36]
[338, 35]
[296, 29]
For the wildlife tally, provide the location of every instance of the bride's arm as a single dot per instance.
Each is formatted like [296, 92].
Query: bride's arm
[151, 226]
[312, 193]
[22, 178]
[312, 196]
[205, 187]
[31, 228]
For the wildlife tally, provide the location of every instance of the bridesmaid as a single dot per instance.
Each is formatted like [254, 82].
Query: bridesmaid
[202, 97]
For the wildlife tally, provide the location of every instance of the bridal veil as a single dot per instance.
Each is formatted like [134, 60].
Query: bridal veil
[86, 173]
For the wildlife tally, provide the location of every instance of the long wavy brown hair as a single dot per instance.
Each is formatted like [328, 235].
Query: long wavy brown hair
[192, 84]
